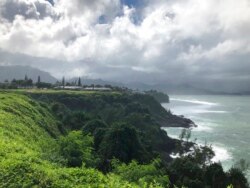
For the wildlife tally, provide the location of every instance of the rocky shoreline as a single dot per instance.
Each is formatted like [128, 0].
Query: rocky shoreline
[177, 121]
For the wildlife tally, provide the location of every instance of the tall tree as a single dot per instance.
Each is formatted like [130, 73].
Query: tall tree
[26, 77]
[63, 81]
[39, 79]
[79, 82]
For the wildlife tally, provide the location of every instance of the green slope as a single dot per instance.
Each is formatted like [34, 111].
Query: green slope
[28, 149]
[44, 132]
[23, 125]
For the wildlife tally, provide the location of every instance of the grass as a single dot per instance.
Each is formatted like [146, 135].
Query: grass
[23, 123]
[29, 149]
[70, 92]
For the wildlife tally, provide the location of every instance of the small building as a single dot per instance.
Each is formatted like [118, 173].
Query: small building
[97, 89]
[69, 87]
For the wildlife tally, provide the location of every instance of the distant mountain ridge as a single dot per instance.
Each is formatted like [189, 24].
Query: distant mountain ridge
[169, 88]
[18, 72]
[89, 81]
[182, 89]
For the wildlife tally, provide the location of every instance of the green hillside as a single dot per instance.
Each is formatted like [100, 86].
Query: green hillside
[63, 139]
[29, 152]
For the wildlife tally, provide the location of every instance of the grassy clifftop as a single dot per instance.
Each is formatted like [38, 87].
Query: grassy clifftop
[64, 139]
[29, 149]
[140, 111]
[23, 125]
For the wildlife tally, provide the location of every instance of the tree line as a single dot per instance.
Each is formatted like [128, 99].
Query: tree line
[29, 83]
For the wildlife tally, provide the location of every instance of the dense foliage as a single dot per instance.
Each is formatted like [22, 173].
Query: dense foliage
[30, 153]
[159, 96]
[98, 139]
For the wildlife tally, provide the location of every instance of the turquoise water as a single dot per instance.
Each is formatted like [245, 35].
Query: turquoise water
[223, 121]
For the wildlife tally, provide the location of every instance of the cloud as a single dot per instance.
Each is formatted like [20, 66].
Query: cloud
[154, 40]
[28, 9]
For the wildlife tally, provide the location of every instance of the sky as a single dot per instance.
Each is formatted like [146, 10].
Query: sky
[199, 42]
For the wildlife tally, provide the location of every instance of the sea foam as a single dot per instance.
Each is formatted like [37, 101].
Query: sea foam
[221, 154]
[194, 101]
[211, 111]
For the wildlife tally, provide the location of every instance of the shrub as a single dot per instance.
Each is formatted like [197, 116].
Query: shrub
[77, 149]
[121, 142]
[92, 125]
[134, 172]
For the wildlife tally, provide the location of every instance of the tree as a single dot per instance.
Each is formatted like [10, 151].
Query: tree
[38, 79]
[237, 178]
[43, 85]
[137, 173]
[14, 81]
[26, 77]
[188, 134]
[76, 120]
[185, 172]
[94, 124]
[182, 134]
[242, 164]
[202, 155]
[122, 142]
[63, 81]
[79, 82]
[215, 176]
[30, 82]
[77, 149]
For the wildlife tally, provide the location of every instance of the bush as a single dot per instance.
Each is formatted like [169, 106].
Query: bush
[122, 142]
[76, 120]
[77, 149]
[237, 178]
[134, 172]
[92, 125]
[215, 176]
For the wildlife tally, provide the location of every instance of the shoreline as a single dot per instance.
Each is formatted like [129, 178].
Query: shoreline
[180, 122]
[176, 121]
[222, 153]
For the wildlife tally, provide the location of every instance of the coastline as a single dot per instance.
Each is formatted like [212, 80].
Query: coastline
[206, 113]
[178, 121]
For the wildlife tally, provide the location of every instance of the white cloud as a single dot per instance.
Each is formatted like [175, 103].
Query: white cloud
[169, 36]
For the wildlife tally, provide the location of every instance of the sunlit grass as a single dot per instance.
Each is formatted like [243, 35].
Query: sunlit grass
[26, 147]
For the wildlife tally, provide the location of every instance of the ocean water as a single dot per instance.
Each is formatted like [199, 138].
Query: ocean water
[223, 122]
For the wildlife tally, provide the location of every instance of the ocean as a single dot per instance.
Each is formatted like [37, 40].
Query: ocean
[223, 122]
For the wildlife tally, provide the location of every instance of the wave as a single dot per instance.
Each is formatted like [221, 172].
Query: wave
[202, 128]
[221, 154]
[195, 101]
[210, 111]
